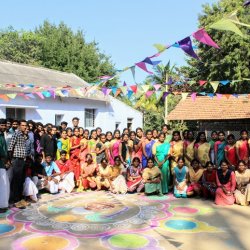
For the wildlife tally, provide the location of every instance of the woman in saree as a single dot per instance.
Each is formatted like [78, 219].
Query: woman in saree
[117, 179]
[63, 144]
[92, 144]
[88, 170]
[180, 177]
[214, 138]
[208, 181]
[81, 132]
[152, 178]
[69, 132]
[109, 137]
[103, 175]
[147, 147]
[114, 146]
[242, 147]
[84, 147]
[176, 149]
[125, 150]
[219, 148]
[226, 183]
[155, 135]
[202, 149]
[137, 144]
[188, 148]
[242, 192]
[161, 152]
[134, 176]
[195, 174]
[74, 154]
[230, 152]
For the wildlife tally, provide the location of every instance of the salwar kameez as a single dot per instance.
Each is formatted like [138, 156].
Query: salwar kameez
[209, 184]
[118, 181]
[176, 152]
[180, 179]
[137, 182]
[102, 178]
[74, 157]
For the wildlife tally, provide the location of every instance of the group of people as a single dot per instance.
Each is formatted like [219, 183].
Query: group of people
[36, 157]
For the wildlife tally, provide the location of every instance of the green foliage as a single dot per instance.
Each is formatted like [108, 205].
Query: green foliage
[232, 61]
[55, 47]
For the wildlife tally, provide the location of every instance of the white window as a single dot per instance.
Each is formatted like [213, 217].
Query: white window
[117, 125]
[58, 119]
[129, 123]
[89, 118]
[15, 113]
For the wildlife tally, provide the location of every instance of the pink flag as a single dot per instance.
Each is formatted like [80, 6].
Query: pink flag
[201, 82]
[193, 96]
[40, 95]
[134, 88]
[202, 36]
[149, 93]
[157, 86]
[108, 91]
[143, 66]
[219, 96]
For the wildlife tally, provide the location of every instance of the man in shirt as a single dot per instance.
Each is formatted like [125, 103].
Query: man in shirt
[64, 125]
[52, 178]
[17, 152]
[48, 143]
[67, 176]
[4, 179]
[75, 122]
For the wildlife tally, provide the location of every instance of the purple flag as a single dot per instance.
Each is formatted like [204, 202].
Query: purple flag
[165, 94]
[247, 3]
[170, 81]
[186, 46]
[142, 65]
[104, 90]
[149, 61]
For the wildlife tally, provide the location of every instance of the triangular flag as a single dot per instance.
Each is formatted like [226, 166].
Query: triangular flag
[118, 91]
[170, 81]
[124, 90]
[53, 93]
[108, 91]
[40, 95]
[224, 82]
[235, 95]
[202, 82]
[132, 68]
[157, 86]
[124, 83]
[165, 94]
[149, 93]
[65, 92]
[233, 17]
[186, 46]
[226, 24]
[143, 66]
[145, 87]
[160, 47]
[104, 90]
[193, 96]
[114, 89]
[79, 92]
[202, 36]
[214, 84]
[184, 96]
[30, 95]
[219, 96]
[158, 94]
[5, 98]
[211, 95]
[202, 93]
[12, 96]
[46, 94]
[130, 93]
[191, 82]
[227, 96]
[134, 88]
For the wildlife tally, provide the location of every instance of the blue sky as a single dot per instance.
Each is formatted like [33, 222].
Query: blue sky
[125, 30]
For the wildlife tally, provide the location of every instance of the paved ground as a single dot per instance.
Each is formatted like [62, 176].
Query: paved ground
[99, 220]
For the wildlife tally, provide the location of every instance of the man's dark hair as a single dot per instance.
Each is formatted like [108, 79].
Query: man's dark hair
[3, 121]
[65, 123]
[75, 118]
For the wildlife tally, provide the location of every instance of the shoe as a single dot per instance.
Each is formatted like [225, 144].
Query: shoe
[25, 203]
[3, 210]
[19, 205]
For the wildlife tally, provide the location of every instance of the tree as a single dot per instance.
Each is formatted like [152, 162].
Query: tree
[56, 47]
[232, 61]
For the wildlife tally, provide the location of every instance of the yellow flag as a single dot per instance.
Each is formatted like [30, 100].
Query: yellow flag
[184, 96]
[145, 88]
[215, 85]
[12, 96]
[124, 89]
[233, 18]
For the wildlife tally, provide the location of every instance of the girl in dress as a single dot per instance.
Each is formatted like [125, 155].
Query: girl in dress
[152, 178]
[92, 144]
[74, 154]
[176, 150]
[134, 176]
[202, 149]
[63, 144]
[180, 177]
[230, 152]
[242, 192]
[188, 148]
[114, 146]
[209, 181]
[147, 147]
[226, 183]
[103, 175]
[155, 135]
[161, 152]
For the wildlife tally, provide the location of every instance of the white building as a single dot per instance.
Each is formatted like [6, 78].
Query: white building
[94, 110]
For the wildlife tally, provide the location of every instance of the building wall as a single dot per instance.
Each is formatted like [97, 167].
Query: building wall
[106, 115]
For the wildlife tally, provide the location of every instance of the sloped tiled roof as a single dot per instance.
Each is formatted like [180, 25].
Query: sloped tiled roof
[207, 108]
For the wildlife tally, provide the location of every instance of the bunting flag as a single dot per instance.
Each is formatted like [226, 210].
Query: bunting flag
[149, 61]
[104, 90]
[165, 94]
[143, 66]
[246, 3]
[124, 90]
[184, 96]
[4, 97]
[118, 92]
[158, 94]
[133, 71]
[40, 95]
[134, 88]
[215, 85]
[186, 46]
[227, 95]
[202, 82]
[211, 95]
[202, 36]
[145, 88]
[224, 82]
[114, 89]
[233, 18]
[219, 96]
[226, 24]
[160, 47]
[46, 94]
[149, 93]
[170, 81]
[130, 93]
[193, 96]
[12, 96]
[157, 86]
[30, 95]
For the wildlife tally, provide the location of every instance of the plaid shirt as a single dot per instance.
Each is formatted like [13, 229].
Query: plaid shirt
[18, 145]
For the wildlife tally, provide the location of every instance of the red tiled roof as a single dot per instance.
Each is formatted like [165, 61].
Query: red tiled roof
[207, 108]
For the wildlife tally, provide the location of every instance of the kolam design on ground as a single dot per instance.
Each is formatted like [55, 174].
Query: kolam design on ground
[189, 210]
[89, 215]
[9, 229]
